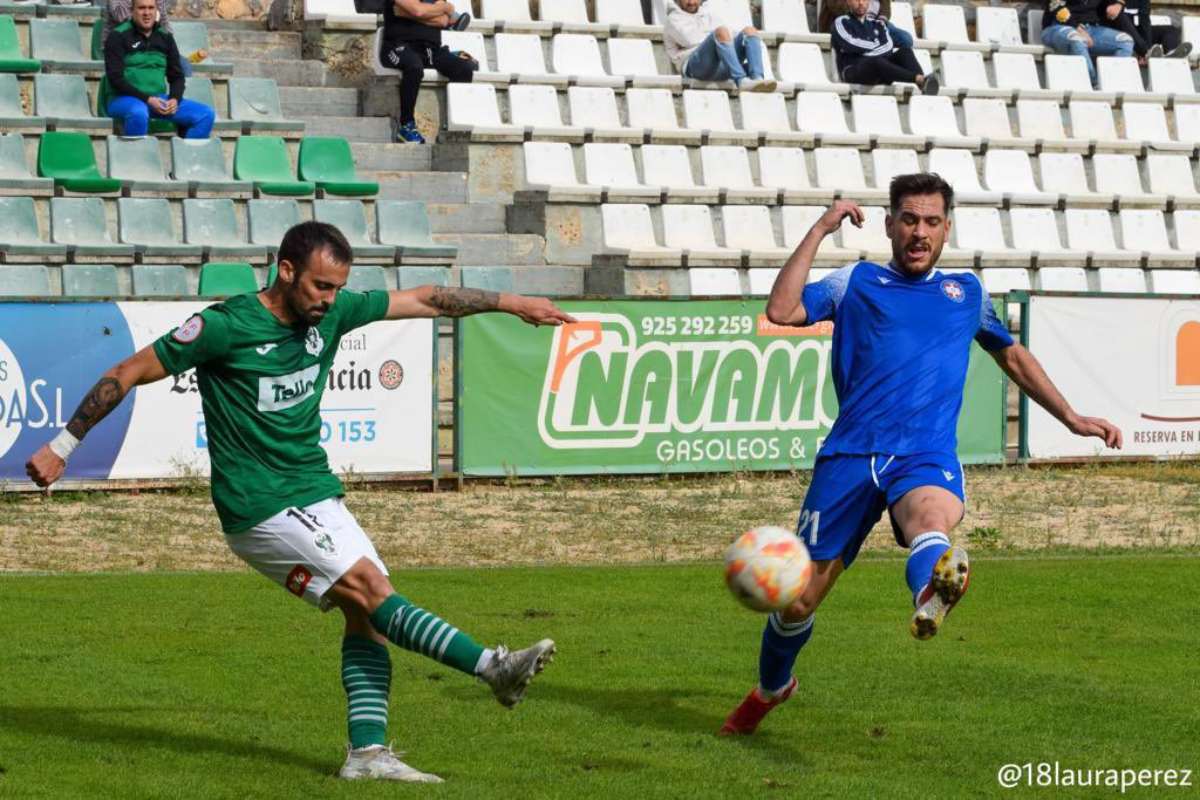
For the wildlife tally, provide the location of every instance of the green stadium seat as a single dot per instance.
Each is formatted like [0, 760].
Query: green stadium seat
[78, 10]
[145, 223]
[225, 279]
[201, 162]
[405, 224]
[19, 235]
[264, 160]
[272, 274]
[493, 279]
[327, 161]
[193, 36]
[11, 58]
[79, 223]
[12, 114]
[63, 101]
[411, 277]
[68, 158]
[367, 278]
[200, 89]
[24, 280]
[57, 44]
[137, 163]
[96, 50]
[349, 218]
[254, 102]
[15, 177]
[160, 280]
[269, 220]
[213, 224]
[90, 280]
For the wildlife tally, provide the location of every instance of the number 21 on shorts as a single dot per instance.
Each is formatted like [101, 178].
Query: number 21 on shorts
[810, 521]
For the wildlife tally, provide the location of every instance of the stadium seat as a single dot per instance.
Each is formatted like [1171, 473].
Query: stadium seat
[727, 168]
[762, 280]
[980, 230]
[1017, 72]
[767, 113]
[63, 101]
[550, 168]
[821, 114]
[1171, 76]
[933, 118]
[749, 229]
[1042, 120]
[135, 161]
[1090, 229]
[56, 43]
[892, 161]
[336, 13]
[1173, 281]
[1120, 279]
[987, 118]
[998, 25]
[160, 280]
[654, 110]
[1187, 122]
[1118, 173]
[412, 277]
[628, 229]
[506, 10]
[798, 220]
[633, 59]
[611, 167]
[804, 65]
[1092, 121]
[200, 89]
[254, 102]
[212, 223]
[841, 168]
[201, 162]
[785, 16]
[350, 218]
[1000, 280]
[578, 56]
[735, 14]
[1036, 230]
[264, 160]
[12, 114]
[870, 240]
[690, 229]
[521, 54]
[472, 108]
[1145, 230]
[964, 69]
[1068, 73]
[1171, 175]
[471, 42]
[1010, 172]
[146, 223]
[1147, 123]
[405, 226]
[367, 278]
[68, 158]
[1187, 230]
[708, 110]
[713, 281]
[594, 111]
[1120, 75]
[1064, 174]
[90, 280]
[269, 219]
[670, 166]
[11, 58]
[534, 107]
[19, 235]
[945, 23]
[879, 116]
[328, 162]
[1061, 279]
[219, 279]
[24, 280]
[902, 18]
[80, 223]
[15, 177]
[623, 13]
[958, 168]
[785, 168]
[1191, 30]
[191, 37]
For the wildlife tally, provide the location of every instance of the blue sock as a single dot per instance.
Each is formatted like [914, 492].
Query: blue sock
[781, 643]
[926, 550]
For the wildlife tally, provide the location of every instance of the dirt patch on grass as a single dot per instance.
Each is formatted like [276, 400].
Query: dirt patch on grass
[604, 521]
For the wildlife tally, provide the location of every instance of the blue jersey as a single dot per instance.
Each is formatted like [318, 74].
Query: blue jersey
[901, 346]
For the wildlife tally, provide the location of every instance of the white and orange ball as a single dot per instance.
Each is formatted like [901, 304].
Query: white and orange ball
[767, 568]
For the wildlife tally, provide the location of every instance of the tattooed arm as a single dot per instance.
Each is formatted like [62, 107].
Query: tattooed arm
[48, 463]
[443, 301]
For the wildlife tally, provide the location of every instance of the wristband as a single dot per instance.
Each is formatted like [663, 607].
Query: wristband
[64, 444]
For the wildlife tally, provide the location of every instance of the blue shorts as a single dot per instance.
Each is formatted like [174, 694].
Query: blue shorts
[849, 493]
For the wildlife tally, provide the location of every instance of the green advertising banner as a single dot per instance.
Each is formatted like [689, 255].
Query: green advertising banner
[652, 386]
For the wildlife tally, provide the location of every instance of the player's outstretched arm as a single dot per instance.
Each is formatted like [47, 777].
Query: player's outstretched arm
[1027, 372]
[448, 301]
[784, 306]
[48, 463]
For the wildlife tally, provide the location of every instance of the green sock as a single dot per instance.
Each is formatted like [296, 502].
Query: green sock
[424, 632]
[366, 677]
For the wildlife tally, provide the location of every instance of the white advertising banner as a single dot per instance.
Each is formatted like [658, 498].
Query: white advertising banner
[1135, 361]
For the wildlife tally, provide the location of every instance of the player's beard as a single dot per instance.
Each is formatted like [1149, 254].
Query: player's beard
[310, 315]
[900, 256]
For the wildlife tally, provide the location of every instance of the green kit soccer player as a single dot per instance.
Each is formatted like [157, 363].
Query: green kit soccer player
[261, 363]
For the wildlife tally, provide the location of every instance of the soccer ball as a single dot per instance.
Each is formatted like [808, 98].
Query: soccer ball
[767, 568]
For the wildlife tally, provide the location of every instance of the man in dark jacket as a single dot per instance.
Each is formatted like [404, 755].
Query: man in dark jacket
[1149, 40]
[867, 54]
[1075, 27]
[142, 78]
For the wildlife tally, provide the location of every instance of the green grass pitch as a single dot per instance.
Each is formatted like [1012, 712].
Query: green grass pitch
[222, 685]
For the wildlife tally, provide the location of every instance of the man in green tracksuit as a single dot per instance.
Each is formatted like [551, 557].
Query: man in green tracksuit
[143, 79]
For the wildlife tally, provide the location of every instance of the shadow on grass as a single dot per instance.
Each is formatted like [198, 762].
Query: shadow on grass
[97, 725]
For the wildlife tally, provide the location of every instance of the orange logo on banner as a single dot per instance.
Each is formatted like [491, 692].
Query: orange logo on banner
[1187, 354]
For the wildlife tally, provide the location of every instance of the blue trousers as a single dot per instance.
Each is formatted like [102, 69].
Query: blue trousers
[195, 119]
[1105, 42]
[716, 61]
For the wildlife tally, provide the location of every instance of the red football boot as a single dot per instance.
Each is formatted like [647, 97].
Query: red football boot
[745, 718]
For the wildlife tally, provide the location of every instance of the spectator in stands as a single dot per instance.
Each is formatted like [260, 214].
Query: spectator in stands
[867, 53]
[702, 49]
[114, 12]
[412, 41]
[1149, 40]
[1074, 27]
[142, 78]
[876, 9]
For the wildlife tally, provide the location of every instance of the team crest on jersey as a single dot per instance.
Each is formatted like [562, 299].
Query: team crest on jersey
[313, 342]
[297, 580]
[954, 290]
[189, 331]
[324, 542]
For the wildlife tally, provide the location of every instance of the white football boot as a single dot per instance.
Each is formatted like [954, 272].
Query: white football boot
[377, 762]
[509, 672]
[946, 587]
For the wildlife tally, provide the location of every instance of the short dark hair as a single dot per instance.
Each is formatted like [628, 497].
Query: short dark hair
[920, 183]
[301, 241]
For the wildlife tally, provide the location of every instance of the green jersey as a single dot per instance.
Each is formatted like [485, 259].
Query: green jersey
[260, 386]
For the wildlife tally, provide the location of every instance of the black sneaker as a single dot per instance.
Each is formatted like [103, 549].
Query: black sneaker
[460, 22]
[1155, 51]
[931, 85]
[1183, 51]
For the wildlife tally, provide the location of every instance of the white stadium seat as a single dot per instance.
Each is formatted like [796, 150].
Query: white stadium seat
[764, 112]
[784, 16]
[620, 12]
[1120, 75]
[1091, 229]
[902, 17]
[934, 118]
[871, 239]
[690, 228]
[798, 220]
[803, 64]
[734, 14]
[958, 168]
[998, 25]
[565, 11]
[595, 108]
[1171, 174]
[761, 280]
[964, 69]
[550, 167]
[1118, 174]
[578, 55]
[980, 230]
[728, 167]
[610, 165]
[1010, 172]
[628, 227]
[714, 281]
[988, 119]
[1145, 230]
[1171, 76]
[536, 106]
[1173, 281]
[879, 116]
[521, 54]
[473, 107]
[821, 113]
[1065, 174]
[1120, 279]
[785, 168]
[749, 228]
[670, 166]
[1062, 279]
[1036, 230]
[892, 161]
[1018, 71]
[999, 280]
[634, 59]
[945, 23]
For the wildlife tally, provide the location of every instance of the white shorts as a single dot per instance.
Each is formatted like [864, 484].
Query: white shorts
[306, 550]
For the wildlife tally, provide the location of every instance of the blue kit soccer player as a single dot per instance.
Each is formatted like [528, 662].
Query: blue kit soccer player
[901, 342]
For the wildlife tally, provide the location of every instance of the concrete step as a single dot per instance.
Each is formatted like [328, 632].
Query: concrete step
[428, 187]
[285, 72]
[392, 156]
[308, 101]
[356, 129]
[237, 43]
[466, 217]
[499, 249]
